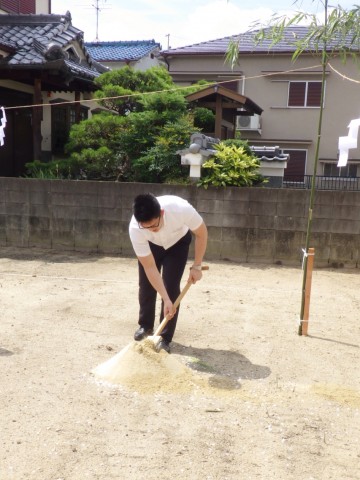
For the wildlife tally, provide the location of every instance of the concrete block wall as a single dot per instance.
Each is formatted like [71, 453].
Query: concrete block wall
[265, 225]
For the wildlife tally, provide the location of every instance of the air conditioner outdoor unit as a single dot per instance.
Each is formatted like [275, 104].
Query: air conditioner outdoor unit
[248, 122]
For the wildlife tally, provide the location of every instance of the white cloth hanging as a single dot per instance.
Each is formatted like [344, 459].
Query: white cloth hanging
[2, 126]
[345, 143]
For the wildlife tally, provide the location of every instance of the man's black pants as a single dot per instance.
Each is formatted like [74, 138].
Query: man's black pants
[171, 263]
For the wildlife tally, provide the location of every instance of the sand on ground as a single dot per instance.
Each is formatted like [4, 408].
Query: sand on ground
[242, 396]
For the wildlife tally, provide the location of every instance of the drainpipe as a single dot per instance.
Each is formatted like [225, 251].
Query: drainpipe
[243, 85]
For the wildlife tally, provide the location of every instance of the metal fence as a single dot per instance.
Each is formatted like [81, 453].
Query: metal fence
[323, 183]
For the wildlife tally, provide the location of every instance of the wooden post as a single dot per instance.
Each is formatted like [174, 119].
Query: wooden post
[310, 265]
[77, 107]
[36, 120]
[218, 116]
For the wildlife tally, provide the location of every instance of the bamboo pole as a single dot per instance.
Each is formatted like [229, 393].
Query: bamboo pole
[304, 321]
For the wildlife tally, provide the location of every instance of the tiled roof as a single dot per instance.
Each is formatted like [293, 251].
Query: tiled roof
[247, 44]
[121, 51]
[7, 46]
[36, 40]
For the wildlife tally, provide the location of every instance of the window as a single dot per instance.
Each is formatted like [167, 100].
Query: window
[332, 170]
[62, 118]
[295, 170]
[231, 85]
[304, 94]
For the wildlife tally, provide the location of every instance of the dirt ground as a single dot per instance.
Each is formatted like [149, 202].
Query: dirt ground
[243, 397]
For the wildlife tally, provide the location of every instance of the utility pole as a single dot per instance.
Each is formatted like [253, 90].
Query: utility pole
[97, 9]
[168, 40]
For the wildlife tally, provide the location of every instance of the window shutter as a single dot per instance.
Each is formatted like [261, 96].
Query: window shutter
[297, 94]
[295, 169]
[27, 6]
[18, 6]
[314, 94]
[11, 6]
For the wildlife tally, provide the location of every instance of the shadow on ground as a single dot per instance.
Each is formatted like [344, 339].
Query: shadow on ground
[5, 353]
[52, 256]
[227, 367]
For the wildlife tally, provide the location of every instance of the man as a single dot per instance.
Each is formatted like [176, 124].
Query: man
[160, 232]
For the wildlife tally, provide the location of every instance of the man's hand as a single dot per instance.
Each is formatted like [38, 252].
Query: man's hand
[194, 276]
[169, 308]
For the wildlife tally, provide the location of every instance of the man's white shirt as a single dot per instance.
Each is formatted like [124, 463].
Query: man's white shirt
[179, 216]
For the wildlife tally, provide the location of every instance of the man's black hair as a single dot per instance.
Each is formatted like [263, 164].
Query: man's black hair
[146, 207]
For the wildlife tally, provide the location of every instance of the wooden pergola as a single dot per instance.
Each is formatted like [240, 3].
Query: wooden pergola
[227, 105]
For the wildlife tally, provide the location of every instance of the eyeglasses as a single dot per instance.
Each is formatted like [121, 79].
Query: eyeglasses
[155, 225]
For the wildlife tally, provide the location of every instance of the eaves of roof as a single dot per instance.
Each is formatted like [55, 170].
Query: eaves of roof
[69, 66]
[238, 100]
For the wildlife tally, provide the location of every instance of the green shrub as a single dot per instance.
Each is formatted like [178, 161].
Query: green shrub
[204, 119]
[101, 130]
[57, 169]
[230, 166]
[239, 143]
[99, 164]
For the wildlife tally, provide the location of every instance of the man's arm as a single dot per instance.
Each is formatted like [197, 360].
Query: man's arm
[201, 236]
[156, 281]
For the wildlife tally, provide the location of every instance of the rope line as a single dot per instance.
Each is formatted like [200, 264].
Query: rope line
[118, 97]
[342, 75]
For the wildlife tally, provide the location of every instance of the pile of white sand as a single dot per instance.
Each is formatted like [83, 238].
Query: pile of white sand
[140, 367]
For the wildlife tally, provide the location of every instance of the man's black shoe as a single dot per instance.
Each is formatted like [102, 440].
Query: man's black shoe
[142, 333]
[164, 345]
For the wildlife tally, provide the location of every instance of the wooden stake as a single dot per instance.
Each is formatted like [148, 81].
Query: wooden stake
[310, 265]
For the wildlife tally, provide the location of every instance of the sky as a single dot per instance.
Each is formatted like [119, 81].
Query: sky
[176, 23]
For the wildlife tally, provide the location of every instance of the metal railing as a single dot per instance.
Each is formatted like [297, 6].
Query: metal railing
[323, 183]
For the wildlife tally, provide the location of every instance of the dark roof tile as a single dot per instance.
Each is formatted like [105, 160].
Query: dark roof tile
[121, 51]
[247, 44]
[31, 36]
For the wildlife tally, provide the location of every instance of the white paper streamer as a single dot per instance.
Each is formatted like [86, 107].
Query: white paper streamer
[2, 126]
[345, 143]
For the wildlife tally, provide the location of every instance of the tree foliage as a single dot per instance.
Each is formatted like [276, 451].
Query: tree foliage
[138, 141]
[161, 160]
[122, 89]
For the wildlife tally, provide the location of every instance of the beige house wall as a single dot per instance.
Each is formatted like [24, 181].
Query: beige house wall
[290, 128]
[42, 7]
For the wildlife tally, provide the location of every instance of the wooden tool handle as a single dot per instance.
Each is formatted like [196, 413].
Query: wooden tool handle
[176, 304]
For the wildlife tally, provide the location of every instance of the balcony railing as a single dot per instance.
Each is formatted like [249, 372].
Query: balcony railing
[323, 183]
